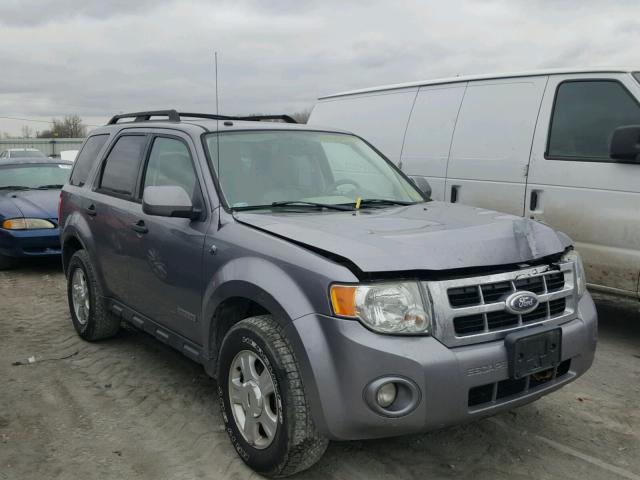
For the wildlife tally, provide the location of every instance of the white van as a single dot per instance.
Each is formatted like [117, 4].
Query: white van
[539, 144]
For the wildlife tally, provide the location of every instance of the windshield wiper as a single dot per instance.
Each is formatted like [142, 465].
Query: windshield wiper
[50, 187]
[294, 203]
[15, 187]
[286, 203]
[383, 201]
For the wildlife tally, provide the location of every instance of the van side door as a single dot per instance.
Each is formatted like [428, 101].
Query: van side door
[491, 144]
[427, 141]
[576, 187]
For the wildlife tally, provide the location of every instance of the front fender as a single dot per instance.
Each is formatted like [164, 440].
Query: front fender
[261, 281]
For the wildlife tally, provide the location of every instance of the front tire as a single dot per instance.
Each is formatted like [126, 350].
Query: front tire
[263, 402]
[89, 314]
[6, 262]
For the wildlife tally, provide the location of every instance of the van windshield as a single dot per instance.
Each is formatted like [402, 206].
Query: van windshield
[259, 168]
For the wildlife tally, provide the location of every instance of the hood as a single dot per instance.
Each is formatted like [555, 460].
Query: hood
[428, 236]
[30, 204]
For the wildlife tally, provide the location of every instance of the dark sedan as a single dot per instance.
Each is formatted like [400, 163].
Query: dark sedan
[29, 195]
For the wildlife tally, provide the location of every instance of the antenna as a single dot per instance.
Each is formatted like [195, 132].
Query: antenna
[215, 62]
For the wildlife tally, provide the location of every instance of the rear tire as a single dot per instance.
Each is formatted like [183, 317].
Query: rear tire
[89, 314]
[6, 262]
[295, 444]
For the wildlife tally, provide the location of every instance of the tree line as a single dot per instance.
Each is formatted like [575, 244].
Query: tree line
[70, 126]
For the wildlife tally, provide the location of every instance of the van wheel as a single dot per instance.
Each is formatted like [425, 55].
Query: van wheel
[262, 400]
[6, 262]
[89, 315]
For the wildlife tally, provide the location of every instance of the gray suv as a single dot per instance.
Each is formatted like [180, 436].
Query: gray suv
[327, 295]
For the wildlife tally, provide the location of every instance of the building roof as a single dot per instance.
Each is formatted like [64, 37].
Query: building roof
[466, 78]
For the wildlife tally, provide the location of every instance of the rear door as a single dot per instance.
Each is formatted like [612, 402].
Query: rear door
[492, 143]
[576, 187]
[380, 118]
[428, 138]
[111, 210]
[167, 266]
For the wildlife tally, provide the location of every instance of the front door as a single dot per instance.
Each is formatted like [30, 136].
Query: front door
[576, 187]
[166, 272]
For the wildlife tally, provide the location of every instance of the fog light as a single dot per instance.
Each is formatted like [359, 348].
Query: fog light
[386, 394]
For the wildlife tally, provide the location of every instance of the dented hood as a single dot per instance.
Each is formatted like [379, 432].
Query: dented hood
[428, 236]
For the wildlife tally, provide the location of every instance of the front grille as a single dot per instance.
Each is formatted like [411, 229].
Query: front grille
[470, 324]
[503, 390]
[492, 293]
[472, 310]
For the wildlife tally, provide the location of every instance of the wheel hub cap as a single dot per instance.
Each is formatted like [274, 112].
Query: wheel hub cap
[252, 398]
[80, 296]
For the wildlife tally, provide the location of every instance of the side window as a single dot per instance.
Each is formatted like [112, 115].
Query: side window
[170, 165]
[87, 159]
[584, 117]
[121, 168]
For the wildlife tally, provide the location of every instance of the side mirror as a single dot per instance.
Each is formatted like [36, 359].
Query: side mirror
[423, 185]
[625, 144]
[168, 202]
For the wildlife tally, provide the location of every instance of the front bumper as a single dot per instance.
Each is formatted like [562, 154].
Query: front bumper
[339, 358]
[29, 243]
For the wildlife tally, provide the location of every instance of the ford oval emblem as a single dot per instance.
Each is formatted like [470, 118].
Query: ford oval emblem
[520, 303]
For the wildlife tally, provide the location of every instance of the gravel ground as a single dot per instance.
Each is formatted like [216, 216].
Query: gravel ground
[131, 408]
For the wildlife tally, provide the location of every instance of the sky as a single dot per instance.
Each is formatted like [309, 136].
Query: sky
[96, 58]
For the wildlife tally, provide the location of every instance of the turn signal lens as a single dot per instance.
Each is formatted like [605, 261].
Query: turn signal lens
[27, 224]
[343, 300]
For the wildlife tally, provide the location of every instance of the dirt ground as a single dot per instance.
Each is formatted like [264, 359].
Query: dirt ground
[131, 408]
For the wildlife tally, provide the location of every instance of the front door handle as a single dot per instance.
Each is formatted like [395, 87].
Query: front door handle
[139, 227]
[91, 210]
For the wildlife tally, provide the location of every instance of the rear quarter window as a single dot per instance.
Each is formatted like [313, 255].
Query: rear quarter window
[87, 158]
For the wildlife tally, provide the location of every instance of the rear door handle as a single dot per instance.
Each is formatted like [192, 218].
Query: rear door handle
[91, 210]
[533, 202]
[139, 227]
[454, 193]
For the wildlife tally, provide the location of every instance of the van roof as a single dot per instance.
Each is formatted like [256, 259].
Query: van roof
[466, 78]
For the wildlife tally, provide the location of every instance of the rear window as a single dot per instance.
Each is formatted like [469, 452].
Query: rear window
[121, 168]
[87, 159]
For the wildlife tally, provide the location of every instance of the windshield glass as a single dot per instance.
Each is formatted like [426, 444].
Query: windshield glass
[27, 154]
[34, 175]
[260, 168]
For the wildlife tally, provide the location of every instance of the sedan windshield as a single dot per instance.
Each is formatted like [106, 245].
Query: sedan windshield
[30, 175]
[305, 169]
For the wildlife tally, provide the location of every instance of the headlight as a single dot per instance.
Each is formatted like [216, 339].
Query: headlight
[26, 224]
[386, 307]
[576, 259]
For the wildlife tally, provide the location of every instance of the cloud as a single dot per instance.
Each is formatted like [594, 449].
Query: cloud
[100, 57]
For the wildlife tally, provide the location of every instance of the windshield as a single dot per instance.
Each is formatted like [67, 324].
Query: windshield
[34, 175]
[260, 168]
[26, 154]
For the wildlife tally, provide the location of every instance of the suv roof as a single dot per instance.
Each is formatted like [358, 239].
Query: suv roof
[206, 121]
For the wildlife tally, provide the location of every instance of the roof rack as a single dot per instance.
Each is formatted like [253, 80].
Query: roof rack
[175, 116]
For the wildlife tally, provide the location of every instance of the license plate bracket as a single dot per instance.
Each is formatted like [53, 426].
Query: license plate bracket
[532, 351]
